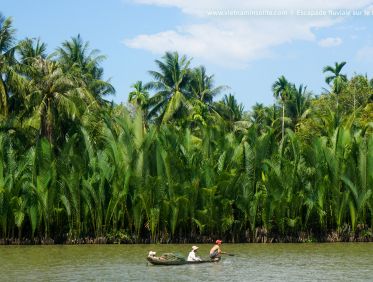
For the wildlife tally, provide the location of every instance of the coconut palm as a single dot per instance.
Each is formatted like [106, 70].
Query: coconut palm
[139, 97]
[229, 109]
[282, 89]
[298, 103]
[30, 49]
[53, 95]
[77, 59]
[202, 85]
[258, 113]
[140, 94]
[203, 91]
[170, 82]
[263, 117]
[7, 60]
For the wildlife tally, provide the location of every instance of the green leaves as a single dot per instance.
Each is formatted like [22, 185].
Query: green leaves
[335, 72]
[176, 163]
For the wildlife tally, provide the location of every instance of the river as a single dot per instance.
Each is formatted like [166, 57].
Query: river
[251, 262]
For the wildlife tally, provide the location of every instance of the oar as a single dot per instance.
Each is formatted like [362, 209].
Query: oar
[228, 254]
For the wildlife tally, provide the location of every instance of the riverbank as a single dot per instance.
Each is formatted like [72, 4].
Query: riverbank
[261, 235]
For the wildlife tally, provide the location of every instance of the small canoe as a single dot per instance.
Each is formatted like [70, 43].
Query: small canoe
[162, 261]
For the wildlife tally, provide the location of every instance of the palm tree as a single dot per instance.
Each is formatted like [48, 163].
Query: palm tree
[29, 49]
[262, 116]
[202, 85]
[230, 109]
[7, 60]
[139, 97]
[76, 58]
[336, 77]
[282, 89]
[171, 82]
[335, 72]
[53, 95]
[298, 103]
[258, 112]
[203, 91]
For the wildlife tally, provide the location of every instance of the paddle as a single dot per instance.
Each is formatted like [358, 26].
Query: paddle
[228, 254]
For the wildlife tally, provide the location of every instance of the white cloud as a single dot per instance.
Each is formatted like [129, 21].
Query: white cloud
[231, 43]
[330, 42]
[365, 54]
[236, 40]
[198, 7]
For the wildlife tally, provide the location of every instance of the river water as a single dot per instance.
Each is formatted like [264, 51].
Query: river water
[251, 262]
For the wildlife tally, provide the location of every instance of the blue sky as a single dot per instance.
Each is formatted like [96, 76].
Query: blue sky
[247, 52]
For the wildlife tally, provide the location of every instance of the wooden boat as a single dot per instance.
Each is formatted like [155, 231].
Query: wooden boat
[163, 261]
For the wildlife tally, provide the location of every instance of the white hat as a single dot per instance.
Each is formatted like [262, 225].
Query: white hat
[194, 248]
[151, 254]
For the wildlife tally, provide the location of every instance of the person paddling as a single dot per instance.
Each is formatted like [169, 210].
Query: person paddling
[192, 255]
[215, 252]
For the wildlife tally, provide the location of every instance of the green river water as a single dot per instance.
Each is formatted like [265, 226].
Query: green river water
[252, 262]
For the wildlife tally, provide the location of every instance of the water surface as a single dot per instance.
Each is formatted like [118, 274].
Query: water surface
[252, 262]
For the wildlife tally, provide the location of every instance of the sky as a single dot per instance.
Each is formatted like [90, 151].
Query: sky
[246, 45]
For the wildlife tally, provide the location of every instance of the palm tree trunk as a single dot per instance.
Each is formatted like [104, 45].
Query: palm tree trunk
[283, 121]
[19, 234]
[3, 98]
[337, 111]
[354, 101]
[337, 104]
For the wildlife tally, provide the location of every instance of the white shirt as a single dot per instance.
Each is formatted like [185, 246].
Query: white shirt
[192, 257]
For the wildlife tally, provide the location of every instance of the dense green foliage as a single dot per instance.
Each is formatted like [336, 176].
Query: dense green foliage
[174, 163]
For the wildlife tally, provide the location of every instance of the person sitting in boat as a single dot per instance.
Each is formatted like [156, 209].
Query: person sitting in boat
[152, 254]
[192, 255]
[215, 252]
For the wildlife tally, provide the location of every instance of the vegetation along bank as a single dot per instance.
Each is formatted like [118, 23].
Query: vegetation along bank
[182, 161]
